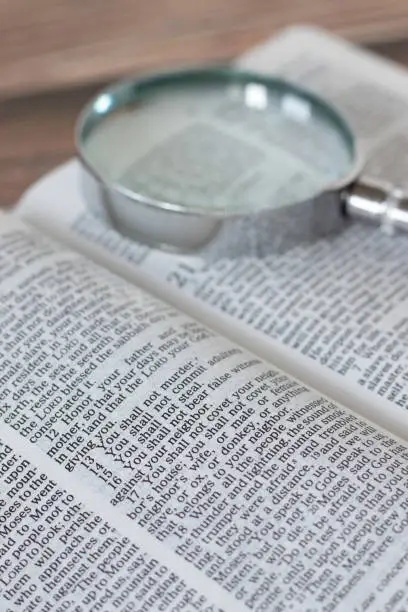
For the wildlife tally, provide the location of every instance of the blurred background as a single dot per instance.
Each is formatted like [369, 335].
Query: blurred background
[55, 53]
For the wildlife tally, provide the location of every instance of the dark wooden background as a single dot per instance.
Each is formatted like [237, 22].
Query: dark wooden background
[55, 53]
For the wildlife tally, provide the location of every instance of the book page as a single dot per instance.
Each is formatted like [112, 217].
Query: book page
[140, 450]
[64, 549]
[341, 302]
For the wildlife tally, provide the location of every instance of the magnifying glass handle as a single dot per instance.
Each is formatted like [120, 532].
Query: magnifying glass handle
[377, 202]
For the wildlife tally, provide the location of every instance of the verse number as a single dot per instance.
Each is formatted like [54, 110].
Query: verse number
[51, 434]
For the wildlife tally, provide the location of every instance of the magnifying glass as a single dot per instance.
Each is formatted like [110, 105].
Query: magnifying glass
[228, 160]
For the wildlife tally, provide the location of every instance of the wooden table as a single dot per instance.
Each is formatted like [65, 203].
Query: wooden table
[55, 53]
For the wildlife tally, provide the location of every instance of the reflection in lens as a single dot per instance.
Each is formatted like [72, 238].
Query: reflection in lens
[211, 145]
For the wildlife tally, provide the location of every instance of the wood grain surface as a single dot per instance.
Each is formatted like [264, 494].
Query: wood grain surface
[36, 134]
[55, 53]
[46, 44]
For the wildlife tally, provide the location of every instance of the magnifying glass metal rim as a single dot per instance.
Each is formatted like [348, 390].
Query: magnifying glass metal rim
[126, 92]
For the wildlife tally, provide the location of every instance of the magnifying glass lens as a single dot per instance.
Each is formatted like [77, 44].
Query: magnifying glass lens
[216, 142]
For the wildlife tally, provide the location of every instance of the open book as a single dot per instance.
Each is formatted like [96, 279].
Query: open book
[185, 435]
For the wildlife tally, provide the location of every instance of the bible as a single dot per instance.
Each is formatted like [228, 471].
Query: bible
[178, 434]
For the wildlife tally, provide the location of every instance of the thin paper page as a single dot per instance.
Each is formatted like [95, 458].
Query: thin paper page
[76, 552]
[340, 303]
[224, 465]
